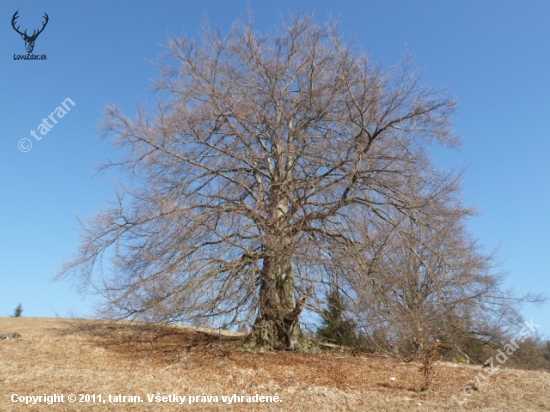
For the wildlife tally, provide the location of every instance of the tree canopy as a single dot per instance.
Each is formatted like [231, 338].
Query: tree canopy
[275, 168]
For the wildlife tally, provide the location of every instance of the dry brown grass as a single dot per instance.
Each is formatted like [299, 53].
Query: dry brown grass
[51, 357]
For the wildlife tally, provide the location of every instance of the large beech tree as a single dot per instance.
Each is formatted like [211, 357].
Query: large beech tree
[255, 183]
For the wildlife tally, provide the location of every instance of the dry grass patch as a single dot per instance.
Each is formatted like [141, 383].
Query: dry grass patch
[57, 356]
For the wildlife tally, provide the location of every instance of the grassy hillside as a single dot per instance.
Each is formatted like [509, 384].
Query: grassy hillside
[54, 356]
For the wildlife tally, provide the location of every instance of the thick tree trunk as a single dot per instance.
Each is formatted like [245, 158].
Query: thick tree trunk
[277, 324]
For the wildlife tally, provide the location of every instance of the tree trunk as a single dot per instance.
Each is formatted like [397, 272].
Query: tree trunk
[277, 324]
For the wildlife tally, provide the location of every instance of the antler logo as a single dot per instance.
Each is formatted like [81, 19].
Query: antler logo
[29, 40]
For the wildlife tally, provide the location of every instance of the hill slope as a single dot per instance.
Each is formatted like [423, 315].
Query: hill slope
[54, 356]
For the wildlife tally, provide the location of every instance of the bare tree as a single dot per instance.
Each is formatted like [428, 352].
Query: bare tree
[428, 281]
[268, 165]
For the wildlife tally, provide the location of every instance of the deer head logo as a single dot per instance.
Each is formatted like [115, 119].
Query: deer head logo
[29, 40]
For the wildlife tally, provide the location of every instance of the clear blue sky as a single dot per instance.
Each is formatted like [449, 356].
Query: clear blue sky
[494, 56]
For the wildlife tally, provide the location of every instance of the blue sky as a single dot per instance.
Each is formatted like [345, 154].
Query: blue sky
[493, 56]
